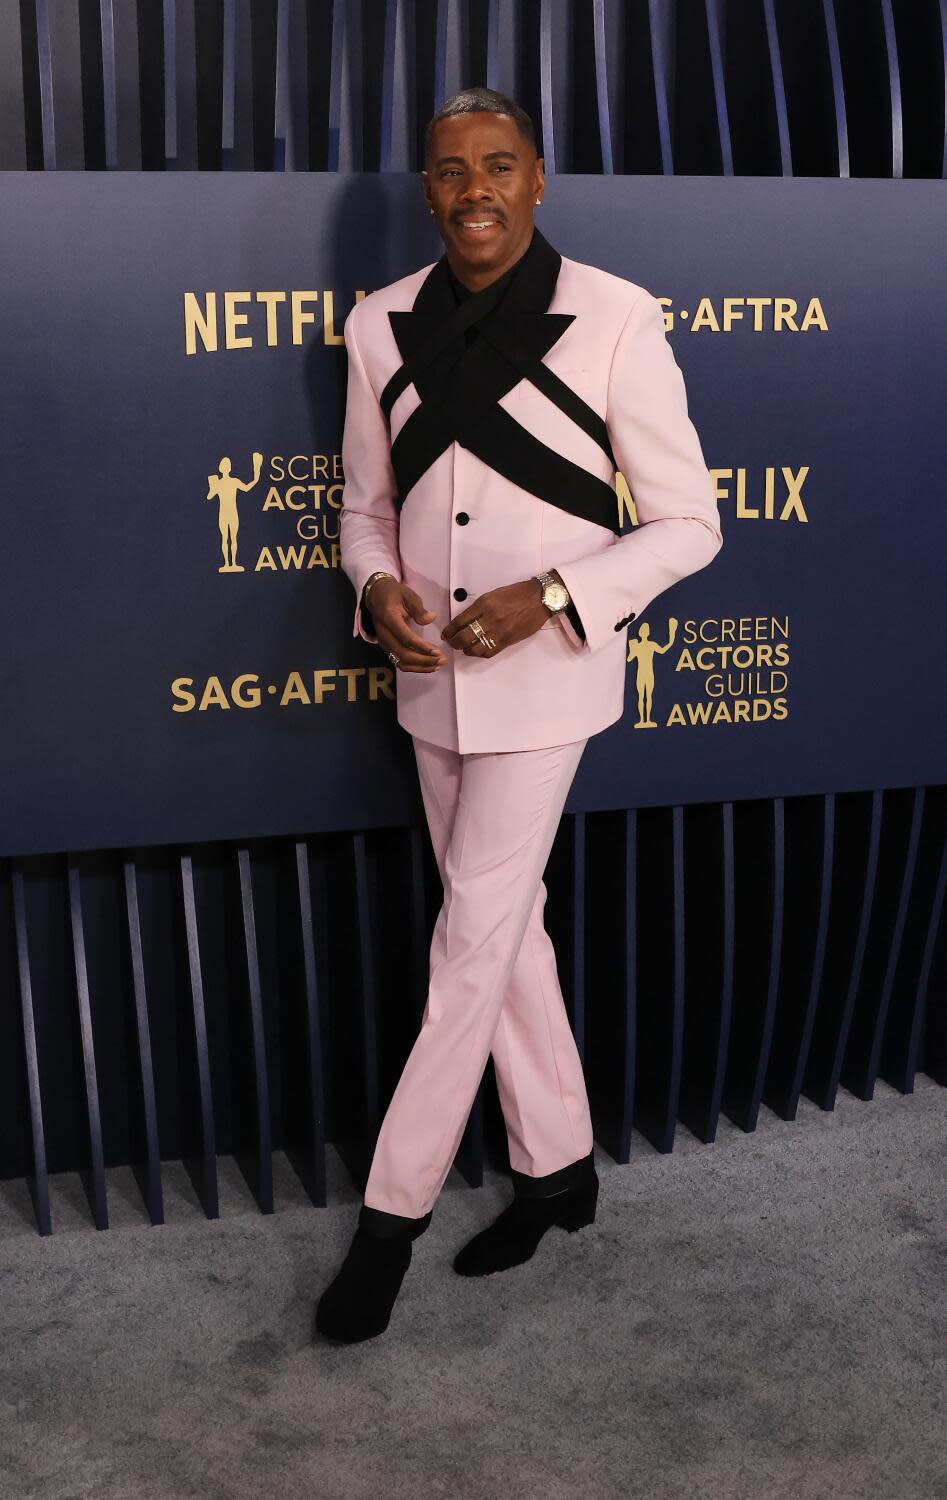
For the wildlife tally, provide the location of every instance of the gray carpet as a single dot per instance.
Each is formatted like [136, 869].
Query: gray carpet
[761, 1319]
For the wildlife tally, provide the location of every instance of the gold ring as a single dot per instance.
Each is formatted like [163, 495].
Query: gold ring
[487, 640]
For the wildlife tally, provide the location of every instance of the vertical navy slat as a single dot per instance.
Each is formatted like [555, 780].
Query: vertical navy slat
[151, 1186]
[679, 975]
[47, 110]
[94, 1177]
[132, 119]
[228, 84]
[170, 83]
[751, 1116]
[281, 87]
[38, 1179]
[827, 1101]
[336, 70]
[728, 967]
[493, 59]
[630, 980]
[923, 981]
[311, 1165]
[508, 35]
[205, 1181]
[601, 88]
[13, 87]
[701, 932]
[894, 90]
[299, 105]
[440, 54]
[943, 61]
[661, 22]
[453, 18]
[388, 84]
[660, 977]
[262, 1184]
[403, 112]
[866, 1084]
[791, 1106]
[838, 87]
[779, 89]
[547, 112]
[351, 91]
[716, 20]
[109, 83]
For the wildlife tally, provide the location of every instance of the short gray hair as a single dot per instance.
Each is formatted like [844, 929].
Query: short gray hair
[469, 101]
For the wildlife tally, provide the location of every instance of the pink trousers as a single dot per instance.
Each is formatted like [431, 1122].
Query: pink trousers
[493, 985]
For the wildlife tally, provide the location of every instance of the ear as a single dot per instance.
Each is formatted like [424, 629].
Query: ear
[425, 187]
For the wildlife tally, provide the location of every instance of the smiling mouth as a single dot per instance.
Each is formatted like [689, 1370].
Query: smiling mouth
[477, 226]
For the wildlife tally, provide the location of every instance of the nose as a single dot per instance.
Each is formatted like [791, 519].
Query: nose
[478, 187]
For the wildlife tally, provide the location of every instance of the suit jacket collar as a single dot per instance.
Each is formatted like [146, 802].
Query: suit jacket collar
[431, 337]
[460, 386]
[530, 287]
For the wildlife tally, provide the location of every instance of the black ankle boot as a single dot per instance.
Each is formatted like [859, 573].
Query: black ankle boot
[357, 1303]
[566, 1198]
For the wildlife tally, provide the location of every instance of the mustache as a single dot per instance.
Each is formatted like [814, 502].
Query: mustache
[479, 218]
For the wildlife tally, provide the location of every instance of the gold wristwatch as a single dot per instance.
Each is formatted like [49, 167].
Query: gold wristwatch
[555, 594]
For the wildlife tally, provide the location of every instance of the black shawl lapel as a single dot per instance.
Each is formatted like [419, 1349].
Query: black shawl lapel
[430, 337]
[460, 386]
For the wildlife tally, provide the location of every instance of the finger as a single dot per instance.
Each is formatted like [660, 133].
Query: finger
[480, 642]
[409, 658]
[408, 662]
[472, 612]
[407, 640]
[466, 635]
[404, 665]
[474, 645]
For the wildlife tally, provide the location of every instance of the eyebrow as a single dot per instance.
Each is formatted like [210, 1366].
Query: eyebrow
[488, 156]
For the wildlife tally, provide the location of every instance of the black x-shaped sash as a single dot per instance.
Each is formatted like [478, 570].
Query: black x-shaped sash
[460, 385]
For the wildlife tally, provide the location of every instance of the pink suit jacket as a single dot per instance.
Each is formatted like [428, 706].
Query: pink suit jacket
[553, 687]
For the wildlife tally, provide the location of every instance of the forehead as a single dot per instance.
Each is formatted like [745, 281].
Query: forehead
[475, 134]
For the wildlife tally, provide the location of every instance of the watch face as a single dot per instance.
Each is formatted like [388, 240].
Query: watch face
[555, 596]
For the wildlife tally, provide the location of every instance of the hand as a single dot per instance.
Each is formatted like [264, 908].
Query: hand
[507, 615]
[392, 605]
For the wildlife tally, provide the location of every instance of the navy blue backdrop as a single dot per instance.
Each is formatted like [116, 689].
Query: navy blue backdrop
[150, 699]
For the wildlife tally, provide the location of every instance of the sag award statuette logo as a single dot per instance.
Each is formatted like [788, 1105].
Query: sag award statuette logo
[643, 650]
[223, 487]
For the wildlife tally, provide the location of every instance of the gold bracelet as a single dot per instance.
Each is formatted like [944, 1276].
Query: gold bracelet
[373, 578]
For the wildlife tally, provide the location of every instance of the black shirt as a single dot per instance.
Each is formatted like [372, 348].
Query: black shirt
[461, 293]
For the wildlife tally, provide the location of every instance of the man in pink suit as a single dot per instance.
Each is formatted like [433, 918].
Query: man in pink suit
[491, 398]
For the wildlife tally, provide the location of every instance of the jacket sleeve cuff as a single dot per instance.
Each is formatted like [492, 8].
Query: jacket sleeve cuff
[571, 623]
